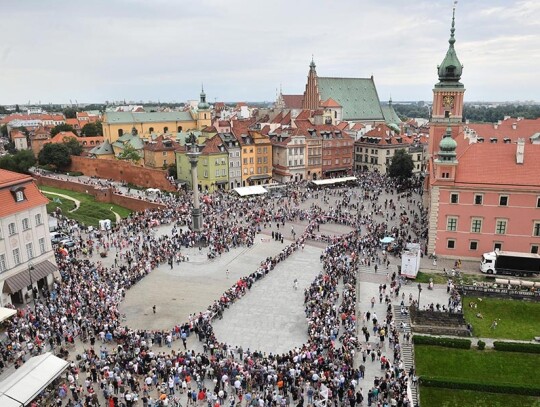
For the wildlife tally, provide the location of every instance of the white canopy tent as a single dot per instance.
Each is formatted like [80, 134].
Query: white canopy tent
[6, 313]
[333, 181]
[252, 190]
[25, 384]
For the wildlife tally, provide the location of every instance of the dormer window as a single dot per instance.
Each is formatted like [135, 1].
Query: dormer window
[18, 194]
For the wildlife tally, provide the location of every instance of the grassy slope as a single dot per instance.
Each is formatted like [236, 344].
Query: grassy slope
[90, 211]
[515, 319]
[478, 366]
[434, 397]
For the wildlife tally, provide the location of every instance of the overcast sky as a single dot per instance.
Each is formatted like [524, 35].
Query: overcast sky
[92, 51]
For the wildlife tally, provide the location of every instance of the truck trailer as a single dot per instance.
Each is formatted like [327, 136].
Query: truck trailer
[510, 263]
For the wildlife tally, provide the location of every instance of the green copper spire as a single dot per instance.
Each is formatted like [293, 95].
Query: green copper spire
[202, 104]
[447, 146]
[450, 69]
[312, 63]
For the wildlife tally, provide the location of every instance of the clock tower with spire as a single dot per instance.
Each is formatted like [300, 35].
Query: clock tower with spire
[447, 94]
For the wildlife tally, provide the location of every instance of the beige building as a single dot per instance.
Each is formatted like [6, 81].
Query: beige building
[27, 261]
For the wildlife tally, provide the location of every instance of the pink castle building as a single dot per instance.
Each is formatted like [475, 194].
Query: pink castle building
[483, 182]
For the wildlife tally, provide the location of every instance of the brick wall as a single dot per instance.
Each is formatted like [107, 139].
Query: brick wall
[101, 194]
[122, 171]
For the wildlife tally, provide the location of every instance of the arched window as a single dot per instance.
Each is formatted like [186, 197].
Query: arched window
[151, 130]
[165, 129]
[120, 132]
[179, 129]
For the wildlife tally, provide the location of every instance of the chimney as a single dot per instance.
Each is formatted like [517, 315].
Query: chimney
[514, 126]
[520, 151]
[495, 126]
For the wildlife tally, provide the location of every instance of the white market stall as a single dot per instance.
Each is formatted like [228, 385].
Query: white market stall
[252, 190]
[26, 383]
[6, 313]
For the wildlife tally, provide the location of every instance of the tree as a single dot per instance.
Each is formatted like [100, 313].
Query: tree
[129, 154]
[62, 127]
[21, 161]
[73, 145]
[10, 147]
[17, 109]
[92, 129]
[70, 113]
[3, 130]
[56, 154]
[402, 165]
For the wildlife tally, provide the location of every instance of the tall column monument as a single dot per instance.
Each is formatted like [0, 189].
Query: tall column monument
[193, 155]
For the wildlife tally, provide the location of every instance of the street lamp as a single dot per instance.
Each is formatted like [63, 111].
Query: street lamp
[419, 291]
[30, 269]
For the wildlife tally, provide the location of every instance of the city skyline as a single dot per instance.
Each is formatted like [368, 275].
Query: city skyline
[129, 49]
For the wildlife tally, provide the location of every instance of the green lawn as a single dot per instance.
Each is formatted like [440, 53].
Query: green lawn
[90, 211]
[66, 205]
[436, 397]
[478, 366]
[515, 319]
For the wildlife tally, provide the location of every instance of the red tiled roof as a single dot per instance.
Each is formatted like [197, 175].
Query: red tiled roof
[524, 128]
[358, 126]
[287, 119]
[161, 143]
[495, 163]
[59, 137]
[304, 115]
[330, 103]
[212, 145]
[33, 197]
[342, 126]
[293, 101]
[209, 129]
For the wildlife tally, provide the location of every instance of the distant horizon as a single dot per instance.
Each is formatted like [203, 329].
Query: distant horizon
[150, 102]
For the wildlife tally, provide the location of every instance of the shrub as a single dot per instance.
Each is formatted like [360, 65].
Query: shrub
[75, 173]
[481, 344]
[457, 343]
[429, 381]
[516, 347]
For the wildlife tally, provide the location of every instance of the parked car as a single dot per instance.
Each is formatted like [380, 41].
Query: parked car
[69, 243]
[56, 237]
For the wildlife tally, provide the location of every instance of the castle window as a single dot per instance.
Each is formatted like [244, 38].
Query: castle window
[454, 198]
[451, 244]
[503, 200]
[473, 245]
[478, 199]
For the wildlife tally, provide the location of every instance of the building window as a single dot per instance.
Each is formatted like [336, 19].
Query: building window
[205, 174]
[16, 256]
[451, 244]
[451, 224]
[165, 129]
[476, 226]
[151, 130]
[534, 249]
[29, 251]
[41, 242]
[38, 219]
[25, 224]
[19, 196]
[503, 200]
[11, 229]
[473, 245]
[500, 226]
[536, 229]
[478, 198]
[3, 266]
[497, 246]
[538, 202]
[454, 198]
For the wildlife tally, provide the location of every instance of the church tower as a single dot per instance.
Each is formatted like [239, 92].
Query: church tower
[204, 116]
[447, 94]
[312, 99]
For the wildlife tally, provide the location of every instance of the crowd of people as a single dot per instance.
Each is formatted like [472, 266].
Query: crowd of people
[122, 365]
